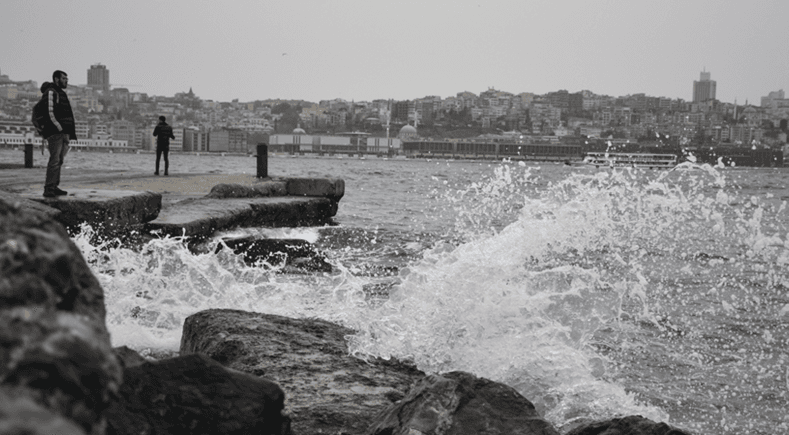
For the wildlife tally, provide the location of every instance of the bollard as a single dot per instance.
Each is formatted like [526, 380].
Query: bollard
[28, 155]
[262, 160]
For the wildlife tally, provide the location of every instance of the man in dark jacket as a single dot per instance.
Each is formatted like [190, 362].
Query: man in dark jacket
[163, 133]
[58, 130]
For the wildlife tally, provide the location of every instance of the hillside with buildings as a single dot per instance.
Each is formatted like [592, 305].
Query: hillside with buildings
[118, 117]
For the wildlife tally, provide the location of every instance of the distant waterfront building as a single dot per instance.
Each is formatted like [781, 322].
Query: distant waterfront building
[82, 128]
[703, 89]
[122, 130]
[100, 132]
[227, 140]
[195, 139]
[99, 77]
[351, 143]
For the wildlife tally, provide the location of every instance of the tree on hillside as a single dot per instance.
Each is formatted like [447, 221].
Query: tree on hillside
[281, 108]
[290, 117]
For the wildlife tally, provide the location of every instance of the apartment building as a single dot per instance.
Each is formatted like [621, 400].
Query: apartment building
[704, 88]
[195, 139]
[227, 140]
[122, 130]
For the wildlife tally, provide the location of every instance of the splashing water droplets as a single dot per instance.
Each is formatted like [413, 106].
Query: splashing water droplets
[595, 293]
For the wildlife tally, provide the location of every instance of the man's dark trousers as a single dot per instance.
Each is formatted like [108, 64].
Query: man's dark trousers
[58, 148]
[159, 151]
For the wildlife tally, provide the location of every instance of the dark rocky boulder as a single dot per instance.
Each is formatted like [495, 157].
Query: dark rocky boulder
[29, 205]
[20, 415]
[40, 266]
[327, 390]
[459, 403]
[193, 394]
[292, 253]
[128, 357]
[630, 425]
[61, 361]
[54, 347]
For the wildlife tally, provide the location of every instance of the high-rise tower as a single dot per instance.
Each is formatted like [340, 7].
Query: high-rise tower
[704, 88]
[99, 77]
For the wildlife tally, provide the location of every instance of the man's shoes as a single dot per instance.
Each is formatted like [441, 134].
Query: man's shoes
[166, 173]
[54, 192]
[156, 173]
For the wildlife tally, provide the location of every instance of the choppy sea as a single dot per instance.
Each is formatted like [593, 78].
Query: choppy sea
[594, 292]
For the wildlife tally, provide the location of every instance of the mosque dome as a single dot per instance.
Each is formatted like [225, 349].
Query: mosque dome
[299, 130]
[408, 131]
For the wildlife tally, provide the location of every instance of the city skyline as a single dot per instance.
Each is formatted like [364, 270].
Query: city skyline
[364, 51]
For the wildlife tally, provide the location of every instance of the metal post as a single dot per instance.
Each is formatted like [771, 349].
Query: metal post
[28, 155]
[262, 160]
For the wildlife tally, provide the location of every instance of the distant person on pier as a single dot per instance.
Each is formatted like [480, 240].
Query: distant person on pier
[56, 125]
[163, 133]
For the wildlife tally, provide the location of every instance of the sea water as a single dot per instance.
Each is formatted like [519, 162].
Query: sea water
[594, 292]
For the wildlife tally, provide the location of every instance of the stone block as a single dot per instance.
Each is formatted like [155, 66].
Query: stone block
[200, 218]
[193, 394]
[332, 188]
[459, 403]
[327, 390]
[232, 190]
[109, 211]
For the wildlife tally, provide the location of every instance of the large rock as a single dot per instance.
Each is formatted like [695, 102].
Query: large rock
[60, 360]
[631, 425]
[195, 395]
[29, 205]
[327, 390]
[54, 347]
[40, 266]
[22, 416]
[460, 403]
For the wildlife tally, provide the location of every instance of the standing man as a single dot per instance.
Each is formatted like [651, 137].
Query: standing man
[163, 133]
[58, 129]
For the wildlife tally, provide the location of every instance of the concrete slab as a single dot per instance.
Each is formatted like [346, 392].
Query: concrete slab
[332, 188]
[202, 217]
[197, 204]
[110, 211]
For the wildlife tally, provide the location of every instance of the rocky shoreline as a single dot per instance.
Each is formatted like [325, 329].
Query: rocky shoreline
[236, 373]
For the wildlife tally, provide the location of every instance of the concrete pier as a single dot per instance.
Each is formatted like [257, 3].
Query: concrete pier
[195, 205]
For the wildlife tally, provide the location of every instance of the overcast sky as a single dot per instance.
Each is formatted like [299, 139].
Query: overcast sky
[364, 50]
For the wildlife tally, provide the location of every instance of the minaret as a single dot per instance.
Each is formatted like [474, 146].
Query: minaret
[735, 109]
[388, 117]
